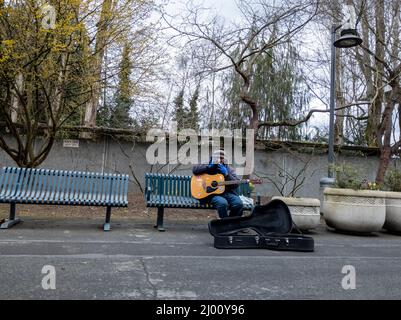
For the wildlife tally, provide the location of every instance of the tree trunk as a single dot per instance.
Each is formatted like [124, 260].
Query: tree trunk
[386, 129]
[339, 121]
[15, 103]
[60, 86]
[385, 156]
[378, 76]
[255, 115]
[101, 42]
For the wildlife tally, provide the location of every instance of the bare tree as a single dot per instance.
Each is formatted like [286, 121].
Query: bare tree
[380, 67]
[264, 26]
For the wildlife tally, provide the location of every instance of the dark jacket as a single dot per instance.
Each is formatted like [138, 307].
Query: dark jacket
[231, 176]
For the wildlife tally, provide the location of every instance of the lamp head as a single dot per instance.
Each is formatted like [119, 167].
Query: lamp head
[349, 38]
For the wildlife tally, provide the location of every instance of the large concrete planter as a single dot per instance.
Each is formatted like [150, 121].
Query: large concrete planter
[393, 212]
[362, 211]
[305, 212]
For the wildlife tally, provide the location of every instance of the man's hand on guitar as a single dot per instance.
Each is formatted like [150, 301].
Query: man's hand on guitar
[222, 169]
[211, 164]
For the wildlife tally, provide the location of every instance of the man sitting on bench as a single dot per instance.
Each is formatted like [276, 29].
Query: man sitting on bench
[229, 200]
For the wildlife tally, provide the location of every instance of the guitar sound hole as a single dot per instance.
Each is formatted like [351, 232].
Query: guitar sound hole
[210, 190]
[215, 184]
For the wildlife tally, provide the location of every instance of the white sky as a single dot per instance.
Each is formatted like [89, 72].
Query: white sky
[225, 8]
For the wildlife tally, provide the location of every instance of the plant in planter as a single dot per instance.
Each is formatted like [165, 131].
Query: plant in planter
[392, 183]
[305, 212]
[354, 204]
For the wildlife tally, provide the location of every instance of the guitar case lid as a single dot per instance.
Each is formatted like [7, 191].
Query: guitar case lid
[272, 217]
[269, 226]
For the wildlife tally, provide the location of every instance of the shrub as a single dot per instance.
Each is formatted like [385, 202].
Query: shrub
[348, 177]
[392, 181]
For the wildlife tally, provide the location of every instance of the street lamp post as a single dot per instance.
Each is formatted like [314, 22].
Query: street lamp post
[349, 38]
[334, 28]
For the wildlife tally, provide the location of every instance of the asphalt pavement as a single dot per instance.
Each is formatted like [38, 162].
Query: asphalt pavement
[135, 261]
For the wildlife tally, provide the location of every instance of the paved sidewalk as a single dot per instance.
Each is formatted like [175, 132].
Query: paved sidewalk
[134, 261]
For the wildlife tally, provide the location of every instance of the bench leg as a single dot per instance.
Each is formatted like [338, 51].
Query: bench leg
[258, 201]
[160, 218]
[12, 221]
[106, 226]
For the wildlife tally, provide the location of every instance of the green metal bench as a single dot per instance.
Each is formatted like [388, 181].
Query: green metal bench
[59, 187]
[173, 191]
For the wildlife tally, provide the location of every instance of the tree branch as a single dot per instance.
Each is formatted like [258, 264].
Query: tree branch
[294, 123]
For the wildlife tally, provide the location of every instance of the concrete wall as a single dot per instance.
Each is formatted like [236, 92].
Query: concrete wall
[119, 156]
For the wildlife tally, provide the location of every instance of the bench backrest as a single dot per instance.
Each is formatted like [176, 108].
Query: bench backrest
[63, 187]
[177, 186]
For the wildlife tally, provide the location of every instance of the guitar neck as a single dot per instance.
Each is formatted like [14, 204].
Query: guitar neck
[228, 183]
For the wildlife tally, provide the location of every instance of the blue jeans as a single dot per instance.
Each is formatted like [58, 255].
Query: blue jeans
[228, 201]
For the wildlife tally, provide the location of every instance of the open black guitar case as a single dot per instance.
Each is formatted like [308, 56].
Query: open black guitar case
[269, 226]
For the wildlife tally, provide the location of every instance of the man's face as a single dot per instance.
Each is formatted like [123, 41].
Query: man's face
[219, 159]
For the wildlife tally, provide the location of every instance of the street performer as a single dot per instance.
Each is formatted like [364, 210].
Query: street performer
[229, 203]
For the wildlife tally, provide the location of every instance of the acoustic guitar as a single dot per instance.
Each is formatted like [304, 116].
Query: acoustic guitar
[206, 185]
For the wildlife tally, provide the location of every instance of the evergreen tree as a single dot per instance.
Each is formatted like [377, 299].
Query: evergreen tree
[193, 110]
[120, 117]
[181, 113]
[277, 86]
